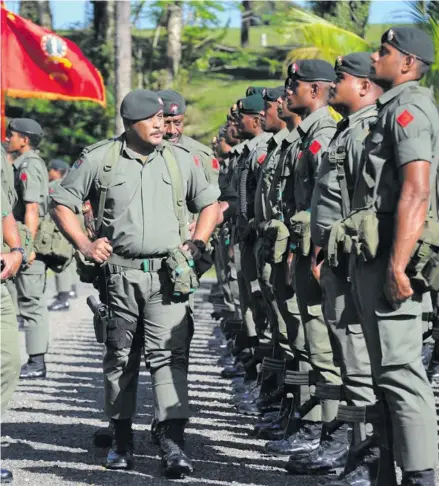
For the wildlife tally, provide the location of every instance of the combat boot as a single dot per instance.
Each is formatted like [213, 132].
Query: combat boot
[6, 476]
[301, 443]
[175, 463]
[419, 478]
[61, 303]
[120, 455]
[34, 368]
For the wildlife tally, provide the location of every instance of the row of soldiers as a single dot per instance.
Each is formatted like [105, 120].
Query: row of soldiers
[325, 297]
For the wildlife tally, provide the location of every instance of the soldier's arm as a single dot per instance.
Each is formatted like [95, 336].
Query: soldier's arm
[11, 236]
[31, 186]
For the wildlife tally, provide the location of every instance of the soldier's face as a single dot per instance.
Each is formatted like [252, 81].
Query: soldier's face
[174, 126]
[247, 125]
[270, 120]
[386, 64]
[343, 89]
[297, 94]
[231, 134]
[54, 175]
[150, 131]
[15, 141]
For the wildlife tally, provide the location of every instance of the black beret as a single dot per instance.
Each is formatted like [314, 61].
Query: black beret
[311, 70]
[173, 103]
[26, 125]
[251, 90]
[58, 164]
[272, 94]
[251, 104]
[410, 40]
[140, 104]
[358, 64]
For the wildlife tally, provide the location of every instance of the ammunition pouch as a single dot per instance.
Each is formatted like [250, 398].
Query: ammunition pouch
[423, 268]
[100, 323]
[26, 240]
[52, 246]
[277, 233]
[300, 233]
[182, 273]
[87, 271]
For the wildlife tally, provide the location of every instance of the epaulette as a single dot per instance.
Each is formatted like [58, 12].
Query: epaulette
[96, 145]
[166, 143]
[201, 147]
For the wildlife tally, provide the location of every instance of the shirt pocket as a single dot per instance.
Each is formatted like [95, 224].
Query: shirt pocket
[167, 195]
[119, 195]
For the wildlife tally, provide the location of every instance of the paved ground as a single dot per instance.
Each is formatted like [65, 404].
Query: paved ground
[46, 435]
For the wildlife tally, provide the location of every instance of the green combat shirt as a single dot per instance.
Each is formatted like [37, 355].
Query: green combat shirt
[203, 156]
[315, 132]
[139, 218]
[406, 130]
[266, 174]
[348, 146]
[7, 174]
[31, 183]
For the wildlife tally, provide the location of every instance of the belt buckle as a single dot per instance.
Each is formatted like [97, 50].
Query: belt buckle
[145, 265]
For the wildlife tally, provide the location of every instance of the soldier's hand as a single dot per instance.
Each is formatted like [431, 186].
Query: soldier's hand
[397, 288]
[191, 228]
[31, 258]
[97, 251]
[11, 263]
[290, 268]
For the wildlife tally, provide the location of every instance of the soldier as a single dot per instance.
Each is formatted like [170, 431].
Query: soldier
[10, 264]
[174, 111]
[32, 186]
[353, 95]
[392, 193]
[134, 282]
[65, 281]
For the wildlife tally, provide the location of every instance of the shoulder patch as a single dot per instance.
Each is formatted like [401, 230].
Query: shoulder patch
[315, 147]
[77, 163]
[23, 176]
[51, 190]
[261, 158]
[197, 160]
[405, 118]
[215, 164]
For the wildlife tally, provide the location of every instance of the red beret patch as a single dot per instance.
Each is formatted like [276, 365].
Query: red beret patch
[315, 147]
[261, 158]
[23, 176]
[405, 118]
[197, 160]
[215, 164]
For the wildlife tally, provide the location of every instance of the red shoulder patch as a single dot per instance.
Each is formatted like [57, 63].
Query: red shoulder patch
[315, 147]
[261, 158]
[23, 176]
[405, 118]
[197, 160]
[215, 164]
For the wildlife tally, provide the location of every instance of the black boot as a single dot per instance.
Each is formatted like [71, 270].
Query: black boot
[34, 368]
[170, 435]
[418, 478]
[73, 293]
[120, 455]
[330, 457]
[61, 303]
[302, 443]
[103, 438]
[6, 477]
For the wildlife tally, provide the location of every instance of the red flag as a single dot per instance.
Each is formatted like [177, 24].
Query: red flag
[36, 63]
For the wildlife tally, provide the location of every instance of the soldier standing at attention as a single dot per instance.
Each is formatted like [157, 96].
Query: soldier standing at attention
[32, 186]
[135, 285]
[66, 280]
[395, 186]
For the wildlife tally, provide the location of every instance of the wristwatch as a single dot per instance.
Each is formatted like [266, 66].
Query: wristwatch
[23, 253]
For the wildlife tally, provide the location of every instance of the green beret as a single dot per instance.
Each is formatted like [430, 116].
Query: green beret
[251, 104]
[251, 90]
[311, 70]
[410, 40]
[59, 164]
[173, 103]
[26, 125]
[358, 64]
[140, 104]
[272, 94]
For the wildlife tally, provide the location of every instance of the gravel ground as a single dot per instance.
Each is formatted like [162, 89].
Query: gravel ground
[46, 434]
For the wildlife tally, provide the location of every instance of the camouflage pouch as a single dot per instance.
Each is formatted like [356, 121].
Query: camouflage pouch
[87, 271]
[423, 268]
[181, 270]
[300, 232]
[51, 244]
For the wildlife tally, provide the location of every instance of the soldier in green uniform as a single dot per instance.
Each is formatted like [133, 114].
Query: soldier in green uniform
[65, 281]
[10, 264]
[32, 186]
[396, 182]
[354, 95]
[138, 229]
[174, 111]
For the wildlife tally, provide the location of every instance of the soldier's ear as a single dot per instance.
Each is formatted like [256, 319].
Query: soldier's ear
[408, 64]
[365, 86]
[315, 90]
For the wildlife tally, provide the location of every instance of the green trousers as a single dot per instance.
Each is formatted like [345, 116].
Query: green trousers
[394, 342]
[143, 315]
[31, 285]
[349, 345]
[9, 345]
[317, 339]
[68, 277]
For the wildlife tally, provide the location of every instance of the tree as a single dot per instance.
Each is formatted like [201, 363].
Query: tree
[246, 21]
[123, 57]
[38, 11]
[103, 34]
[174, 28]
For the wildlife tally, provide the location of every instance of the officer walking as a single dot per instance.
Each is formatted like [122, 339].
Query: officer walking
[32, 186]
[65, 281]
[147, 174]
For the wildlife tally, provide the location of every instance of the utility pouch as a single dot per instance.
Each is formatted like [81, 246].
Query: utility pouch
[300, 232]
[87, 271]
[277, 233]
[181, 271]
